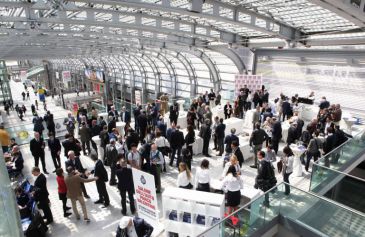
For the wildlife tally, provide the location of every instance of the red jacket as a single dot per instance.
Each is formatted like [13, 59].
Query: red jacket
[61, 184]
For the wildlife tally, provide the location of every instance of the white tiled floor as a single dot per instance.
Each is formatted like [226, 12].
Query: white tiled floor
[104, 221]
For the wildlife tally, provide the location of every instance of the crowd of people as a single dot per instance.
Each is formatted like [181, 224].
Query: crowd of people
[150, 146]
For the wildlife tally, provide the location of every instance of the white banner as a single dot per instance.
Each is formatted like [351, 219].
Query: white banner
[137, 96]
[145, 196]
[253, 82]
[66, 76]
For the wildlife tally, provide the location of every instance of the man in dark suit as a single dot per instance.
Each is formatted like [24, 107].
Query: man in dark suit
[258, 136]
[132, 138]
[286, 109]
[229, 139]
[95, 131]
[206, 133]
[174, 113]
[237, 152]
[100, 172]
[276, 134]
[220, 132]
[137, 225]
[125, 185]
[136, 113]
[41, 194]
[113, 113]
[300, 125]
[227, 110]
[75, 162]
[111, 154]
[111, 124]
[71, 144]
[329, 145]
[54, 146]
[37, 149]
[176, 143]
[125, 115]
[292, 134]
[324, 104]
[142, 123]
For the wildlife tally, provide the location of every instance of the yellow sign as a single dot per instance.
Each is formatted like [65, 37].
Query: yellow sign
[23, 135]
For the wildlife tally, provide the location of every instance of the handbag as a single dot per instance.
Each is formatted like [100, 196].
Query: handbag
[279, 165]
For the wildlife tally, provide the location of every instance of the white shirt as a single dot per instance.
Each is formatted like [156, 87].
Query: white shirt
[132, 231]
[121, 147]
[182, 179]
[227, 165]
[202, 176]
[232, 184]
[161, 142]
[134, 158]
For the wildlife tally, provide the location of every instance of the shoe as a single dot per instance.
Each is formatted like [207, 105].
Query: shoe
[45, 172]
[77, 218]
[68, 208]
[87, 220]
[98, 202]
[133, 212]
[87, 196]
[158, 191]
[253, 166]
[67, 214]
[105, 205]
[124, 213]
[219, 154]
[214, 149]
[112, 184]
[54, 171]
[207, 155]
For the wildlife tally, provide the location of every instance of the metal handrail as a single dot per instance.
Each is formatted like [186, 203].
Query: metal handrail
[276, 186]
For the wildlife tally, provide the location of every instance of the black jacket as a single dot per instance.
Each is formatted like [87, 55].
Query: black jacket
[219, 130]
[190, 138]
[104, 138]
[36, 147]
[112, 124]
[76, 165]
[324, 105]
[258, 136]
[40, 189]
[125, 178]
[100, 172]
[54, 145]
[300, 125]
[286, 107]
[228, 141]
[205, 132]
[143, 229]
[329, 144]
[177, 139]
[132, 138]
[19, 163]
[227, 109]
[95, 131]
[142, 121]
[239, 155]
[265, 178]
[276, 131]
[174, 113]
[71, 146]
[292, 135]
[127, 116]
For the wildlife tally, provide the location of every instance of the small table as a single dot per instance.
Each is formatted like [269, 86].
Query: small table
[233, 122]
[198, 144]
[285, 130]
[297, 165]
[245, 147]
[248, 118]
[97, 141]
[218, 111]
[120, 126]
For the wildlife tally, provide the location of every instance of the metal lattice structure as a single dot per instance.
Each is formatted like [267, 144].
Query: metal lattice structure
[176, 46]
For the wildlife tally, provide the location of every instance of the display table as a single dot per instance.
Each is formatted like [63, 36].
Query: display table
[297, 165]
[245, 146]
[178, 203]
[120, 126]
[97, 141]
[181, 120]
[347, 122]
[104, 115]
[308, 112]
[233, 122]
[218, 111]
[198, 144]
[248, 118]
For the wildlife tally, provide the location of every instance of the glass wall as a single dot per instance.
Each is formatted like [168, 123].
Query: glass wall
[9, 214]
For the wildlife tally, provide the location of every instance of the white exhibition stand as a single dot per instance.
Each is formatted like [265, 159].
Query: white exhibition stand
[297, 165]
[245, 146]
[198, 144]
[120, 126]
[234, 122]
[97, 141]
[210, 205]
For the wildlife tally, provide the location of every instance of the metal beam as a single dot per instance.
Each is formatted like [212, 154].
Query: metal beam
[311, 53]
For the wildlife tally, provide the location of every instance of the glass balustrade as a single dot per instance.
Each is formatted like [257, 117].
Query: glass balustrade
[311, 212]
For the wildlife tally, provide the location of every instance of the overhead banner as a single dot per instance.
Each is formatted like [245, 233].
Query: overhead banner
[145, 196]
[94, 75]
[253, 82]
